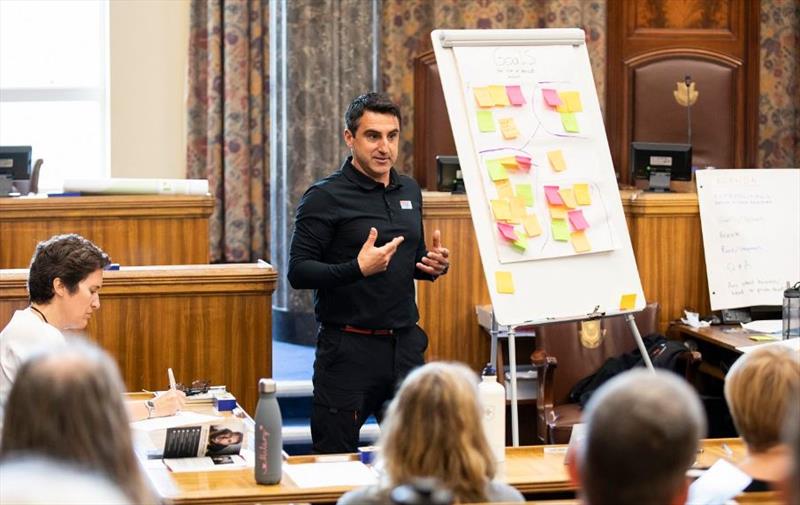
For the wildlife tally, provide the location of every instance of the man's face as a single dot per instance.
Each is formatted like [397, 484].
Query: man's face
[374, 145]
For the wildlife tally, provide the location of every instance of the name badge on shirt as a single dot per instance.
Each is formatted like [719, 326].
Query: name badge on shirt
[405, 204]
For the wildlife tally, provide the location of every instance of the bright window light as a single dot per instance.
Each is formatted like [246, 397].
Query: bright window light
[53, 80]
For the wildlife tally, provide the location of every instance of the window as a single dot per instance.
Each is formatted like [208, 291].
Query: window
[53, 80]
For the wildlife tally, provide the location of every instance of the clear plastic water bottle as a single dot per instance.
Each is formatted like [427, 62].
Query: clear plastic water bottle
[269, 443]
[493, 401]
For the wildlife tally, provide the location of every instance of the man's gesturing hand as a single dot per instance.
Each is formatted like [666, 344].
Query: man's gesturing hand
[437, 262]
[373, 260]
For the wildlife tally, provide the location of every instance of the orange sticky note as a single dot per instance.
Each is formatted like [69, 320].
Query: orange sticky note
[504, 189]
[505, 283]
[517, 210]
[501, 210]
[573, 99]
[558, 212]
[627, 302]
[508, 128]
[531, 225]
[556, 159]
[499, 96]
[580, 242]
[582, 195]
[568, 197]
[509, 162]
[484, 97]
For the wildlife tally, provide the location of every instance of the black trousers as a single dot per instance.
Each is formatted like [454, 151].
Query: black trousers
[355, 376]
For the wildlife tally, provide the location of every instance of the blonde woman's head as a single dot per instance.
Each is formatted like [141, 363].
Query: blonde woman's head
[757, 389]
[433, 428]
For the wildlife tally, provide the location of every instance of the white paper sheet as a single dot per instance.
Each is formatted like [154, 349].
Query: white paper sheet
[350, 473]
[765, 326]
[181, 465]
[183, 418]
[718, 484]
[792, 343]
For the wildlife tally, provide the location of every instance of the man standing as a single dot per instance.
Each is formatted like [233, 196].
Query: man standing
[358, 242]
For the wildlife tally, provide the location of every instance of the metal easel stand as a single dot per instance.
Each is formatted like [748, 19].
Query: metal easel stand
[510, 333]
[638, 337]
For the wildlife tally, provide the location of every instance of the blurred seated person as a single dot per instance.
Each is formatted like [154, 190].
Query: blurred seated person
[791, 437]
[758, 388]
[642, 433]
[64, 281]
[433, 428]
[40, 481]
[66, 404]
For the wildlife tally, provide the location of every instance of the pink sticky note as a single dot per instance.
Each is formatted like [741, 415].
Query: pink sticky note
[507, 231]
[577, 220]
[523, 160]
[515, 95]
[551, 97]
[553, 197]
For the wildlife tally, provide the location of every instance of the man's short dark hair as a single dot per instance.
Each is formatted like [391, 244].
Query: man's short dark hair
[70, 258]
[373, 102]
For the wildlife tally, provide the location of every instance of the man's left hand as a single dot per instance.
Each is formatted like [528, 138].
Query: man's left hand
[437, 261]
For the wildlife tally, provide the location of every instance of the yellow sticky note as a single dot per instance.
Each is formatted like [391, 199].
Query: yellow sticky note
[484, 97]
[573, 100]
[582, 195]
[504, 189]
[499, 96]
[580, 242]
[501, 210]
[496, 170]
[562, 107]
[556, 159]
[531, 225]
[509, 162]
[505, 283]
[517, 210]
[525, 191]
[508, 128]
[763, 338]
[569, 197]
[558, 212]
[627, 302]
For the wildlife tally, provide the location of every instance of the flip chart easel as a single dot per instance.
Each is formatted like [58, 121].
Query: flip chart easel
[500, 87]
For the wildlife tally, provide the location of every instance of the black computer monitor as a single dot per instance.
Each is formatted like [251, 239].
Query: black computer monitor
[659, 162]
[15, 161]
[447, 168]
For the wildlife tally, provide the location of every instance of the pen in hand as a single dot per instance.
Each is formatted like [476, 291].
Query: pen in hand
[171, 379]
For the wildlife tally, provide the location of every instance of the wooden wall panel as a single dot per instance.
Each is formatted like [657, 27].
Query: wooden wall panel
[133, 230]
[205, 321]
[666, 240]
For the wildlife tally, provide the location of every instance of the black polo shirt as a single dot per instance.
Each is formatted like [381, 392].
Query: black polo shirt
[332, 223]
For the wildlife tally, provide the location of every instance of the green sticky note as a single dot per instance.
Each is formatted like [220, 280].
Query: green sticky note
[560, 230]
[485, 121]
[568, 120]
[521, 243]
[496, 170]
[525, 192]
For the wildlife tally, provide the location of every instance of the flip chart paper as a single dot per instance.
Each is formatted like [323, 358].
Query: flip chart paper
[531, 225]
[508, 128]
[501, 210]
[577, 220]
[504, 189]
[582, 195]
[525, 191]
[551, 97]
[573, 100]
[569, 122]
[484, 97]
[515, 95]
[552, 195]
[627, 302]
[560, 230]
[580, 242]
[486, 121]
[568, 197]
[507, 231]
[558, 212]
[499, 95]
[496, 170]
[505, 283]
[556, 159]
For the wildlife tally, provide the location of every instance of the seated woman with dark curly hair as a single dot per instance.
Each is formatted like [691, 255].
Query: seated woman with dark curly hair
[433, 428]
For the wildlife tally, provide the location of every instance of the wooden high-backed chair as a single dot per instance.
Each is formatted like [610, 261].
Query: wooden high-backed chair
[561, 360]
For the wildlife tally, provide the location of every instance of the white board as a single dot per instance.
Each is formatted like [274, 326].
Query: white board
[751, 234]
[553, 279]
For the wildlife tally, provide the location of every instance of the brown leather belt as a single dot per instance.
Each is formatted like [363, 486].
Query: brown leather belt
[364, 331]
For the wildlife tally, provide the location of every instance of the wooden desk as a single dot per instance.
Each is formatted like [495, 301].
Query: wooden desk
[717, 344]
[133, 230]
[528, 469]
[205, 321]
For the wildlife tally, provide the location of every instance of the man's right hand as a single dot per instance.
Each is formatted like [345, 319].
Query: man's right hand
[373, 260]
